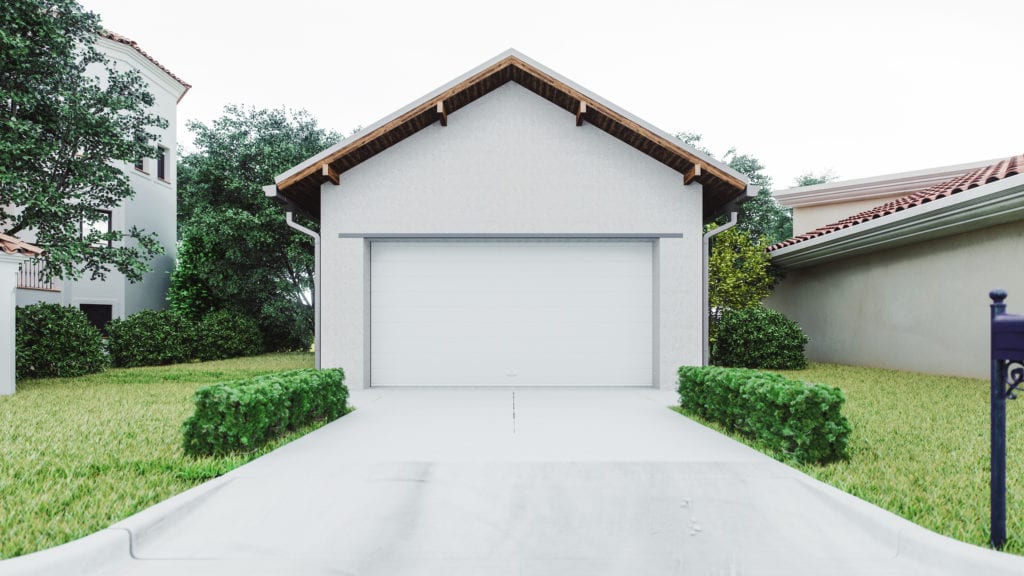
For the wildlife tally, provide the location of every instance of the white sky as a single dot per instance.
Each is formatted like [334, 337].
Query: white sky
[861, 87]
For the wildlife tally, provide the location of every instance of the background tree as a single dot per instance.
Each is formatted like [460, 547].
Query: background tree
[811, 178]
[761, 216]
[69, 123]
[236, 251]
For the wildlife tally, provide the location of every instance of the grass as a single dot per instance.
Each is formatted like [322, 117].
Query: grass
[79, 454]
[920, 449]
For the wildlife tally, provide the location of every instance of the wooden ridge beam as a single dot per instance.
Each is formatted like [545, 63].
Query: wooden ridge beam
[330, 173]
[692, 173]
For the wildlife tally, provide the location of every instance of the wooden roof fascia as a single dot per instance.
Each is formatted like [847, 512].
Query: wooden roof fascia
[614, 115]
[430, 105]
[364, 139]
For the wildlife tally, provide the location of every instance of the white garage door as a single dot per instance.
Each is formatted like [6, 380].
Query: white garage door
[511, 313]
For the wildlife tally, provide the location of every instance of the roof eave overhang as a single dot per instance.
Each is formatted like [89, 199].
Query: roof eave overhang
[874, 187]
[988, 205]
[722, 185]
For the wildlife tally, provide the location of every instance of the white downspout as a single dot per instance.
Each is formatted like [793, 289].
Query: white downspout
[705, 315]
[316, 280]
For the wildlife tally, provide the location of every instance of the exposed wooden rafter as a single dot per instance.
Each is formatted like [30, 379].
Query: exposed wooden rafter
[442, 113]
[330, 173]
[692, 173]
[720, 186]
[580, 112]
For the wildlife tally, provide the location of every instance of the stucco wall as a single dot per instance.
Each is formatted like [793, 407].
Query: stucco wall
[8, 280]
[510, 163]
[922, 307]
[807, 218]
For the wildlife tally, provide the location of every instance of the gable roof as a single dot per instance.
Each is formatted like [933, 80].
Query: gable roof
[134, 45]
[978, 177]
[12, 245]
[722, 186]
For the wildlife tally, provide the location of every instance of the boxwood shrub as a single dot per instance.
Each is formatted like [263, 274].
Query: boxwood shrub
[758, 337]
[54, 340]
[226, 334]
[799, 419]
[241, 415]
[151, 338]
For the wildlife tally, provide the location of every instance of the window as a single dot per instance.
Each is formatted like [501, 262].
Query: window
[99, 315]
[161, 163]
[140, 164]
[102, 224]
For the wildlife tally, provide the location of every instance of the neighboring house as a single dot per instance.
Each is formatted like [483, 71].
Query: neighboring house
[13, 253]
[153, 208]
[510, 229]
[905, 284]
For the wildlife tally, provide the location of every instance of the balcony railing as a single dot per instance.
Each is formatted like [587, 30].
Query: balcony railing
[30, 277]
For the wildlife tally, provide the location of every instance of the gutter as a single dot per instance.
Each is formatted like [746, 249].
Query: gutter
[991, 204]
[705, 311]
[271, 192]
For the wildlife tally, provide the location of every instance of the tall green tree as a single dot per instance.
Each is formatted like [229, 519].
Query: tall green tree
[761, 216]
[236, 251]
[70, 122]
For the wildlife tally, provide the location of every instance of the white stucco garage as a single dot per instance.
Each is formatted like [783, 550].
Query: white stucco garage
[510, 229]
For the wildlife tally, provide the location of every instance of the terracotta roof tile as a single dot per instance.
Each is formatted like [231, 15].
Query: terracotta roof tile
[978, 177]
[129, 42]
[11, 245]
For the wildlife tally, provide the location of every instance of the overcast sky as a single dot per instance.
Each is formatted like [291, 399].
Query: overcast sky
[859, 87]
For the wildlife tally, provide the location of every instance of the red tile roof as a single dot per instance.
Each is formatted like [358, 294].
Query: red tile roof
[129, 42]
[11, 245]
[979, 177]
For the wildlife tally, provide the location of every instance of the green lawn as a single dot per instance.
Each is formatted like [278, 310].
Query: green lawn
[920, 449]
[79, 454]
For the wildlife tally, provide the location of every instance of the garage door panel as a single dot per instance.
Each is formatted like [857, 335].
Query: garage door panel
[511, 313]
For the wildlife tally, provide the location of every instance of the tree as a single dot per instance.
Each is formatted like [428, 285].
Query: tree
[761, 216]
[738, 274]
[237, 253]
[811, 179]
[69, 122]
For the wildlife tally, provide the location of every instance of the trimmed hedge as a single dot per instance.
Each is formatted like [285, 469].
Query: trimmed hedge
[243, 414]
[758, 337]
[799, 419]
[225, 334]
[151, 338]
[56, 341]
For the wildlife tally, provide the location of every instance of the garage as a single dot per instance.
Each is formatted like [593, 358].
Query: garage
[511, 312]
[510, 229]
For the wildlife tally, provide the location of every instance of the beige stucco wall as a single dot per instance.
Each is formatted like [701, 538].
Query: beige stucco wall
[510, 163]
[922, 307]
[807, 218]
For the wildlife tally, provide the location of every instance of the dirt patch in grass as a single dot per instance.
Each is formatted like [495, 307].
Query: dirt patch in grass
[82, 453]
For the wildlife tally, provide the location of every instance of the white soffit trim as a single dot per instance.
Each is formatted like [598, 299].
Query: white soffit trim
[995, 203]
[901, 184]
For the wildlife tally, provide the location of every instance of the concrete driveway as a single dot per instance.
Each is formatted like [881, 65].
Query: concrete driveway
[523, 482]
